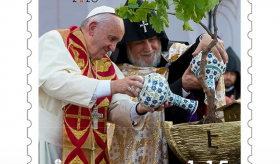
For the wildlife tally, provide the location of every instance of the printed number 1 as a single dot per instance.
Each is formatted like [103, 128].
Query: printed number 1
[221, 162]
[190, 162]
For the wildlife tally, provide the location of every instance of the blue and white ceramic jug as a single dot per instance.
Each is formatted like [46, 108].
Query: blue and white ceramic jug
[213, 70]
[156, 92]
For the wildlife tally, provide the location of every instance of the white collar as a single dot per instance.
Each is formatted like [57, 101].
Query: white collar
[230, 88]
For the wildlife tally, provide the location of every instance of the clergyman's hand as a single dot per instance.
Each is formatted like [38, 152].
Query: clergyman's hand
[189, 81]
[129, 85]
[218, 50]
[232, 98]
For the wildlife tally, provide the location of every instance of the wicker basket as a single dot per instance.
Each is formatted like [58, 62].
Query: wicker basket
[200, 143]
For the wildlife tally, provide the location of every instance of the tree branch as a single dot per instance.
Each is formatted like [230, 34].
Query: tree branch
[149, 9]
[210, 93]
[205, 28]
[215, 22]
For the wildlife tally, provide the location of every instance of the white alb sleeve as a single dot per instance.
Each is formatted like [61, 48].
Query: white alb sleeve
[103, 88]
[185, 93]
[135, 118]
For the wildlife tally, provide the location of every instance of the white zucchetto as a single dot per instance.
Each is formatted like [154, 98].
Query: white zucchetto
[101, 9]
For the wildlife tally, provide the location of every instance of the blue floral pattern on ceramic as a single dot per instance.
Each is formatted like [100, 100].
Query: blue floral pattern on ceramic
[156, 92]
[214, 69]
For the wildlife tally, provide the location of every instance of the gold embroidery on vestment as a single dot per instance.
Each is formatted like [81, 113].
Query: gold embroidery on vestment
[101, 135]
[78, 133]
[103, 65]
[79, 34]
[80, 62]
[132, 146]
[76, 160]
[102, 161]
[105, 103]
[79, 117]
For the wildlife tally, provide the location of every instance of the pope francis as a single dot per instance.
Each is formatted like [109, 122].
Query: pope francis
[80, 89]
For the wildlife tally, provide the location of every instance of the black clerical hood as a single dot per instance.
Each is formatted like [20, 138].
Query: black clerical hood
[142, 30]
[233, 61]
[135, 31]
[234, 65]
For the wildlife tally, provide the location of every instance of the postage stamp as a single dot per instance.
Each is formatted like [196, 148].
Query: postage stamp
[195, 138]
[169, 136]
[70, 48]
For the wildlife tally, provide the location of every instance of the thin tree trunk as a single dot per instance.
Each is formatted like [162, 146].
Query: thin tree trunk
[210, 93]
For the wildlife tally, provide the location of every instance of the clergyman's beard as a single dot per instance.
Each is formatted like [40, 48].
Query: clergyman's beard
[141, 63]
[228, 84]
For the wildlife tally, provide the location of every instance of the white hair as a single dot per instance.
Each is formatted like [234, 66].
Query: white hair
[142, 63]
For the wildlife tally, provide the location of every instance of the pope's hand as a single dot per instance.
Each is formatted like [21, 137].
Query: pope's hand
[218, 50]
[129, 85]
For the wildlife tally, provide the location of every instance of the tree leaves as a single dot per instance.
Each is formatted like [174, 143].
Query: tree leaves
[156, 23]
[187, 27]
[142, 12]
[185, 10]
[134, 12]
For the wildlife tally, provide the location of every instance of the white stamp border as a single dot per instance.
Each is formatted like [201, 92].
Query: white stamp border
[32, 64]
